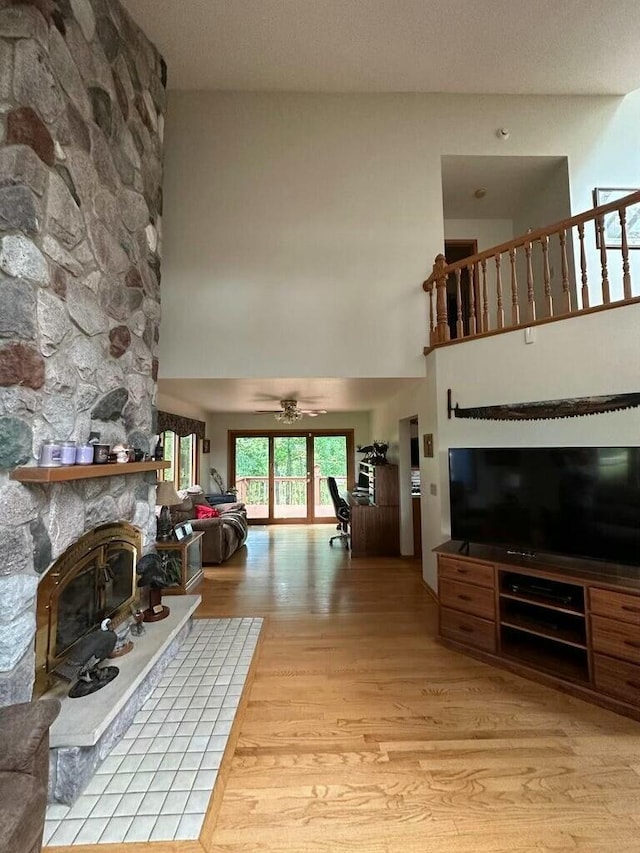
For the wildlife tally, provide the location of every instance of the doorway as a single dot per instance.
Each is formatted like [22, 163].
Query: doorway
[457, 250]
[281, 475]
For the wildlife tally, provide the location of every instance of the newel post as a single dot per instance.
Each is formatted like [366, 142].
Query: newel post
[442, 332]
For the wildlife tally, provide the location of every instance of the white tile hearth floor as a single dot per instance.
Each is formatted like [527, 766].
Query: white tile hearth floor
[156, 783]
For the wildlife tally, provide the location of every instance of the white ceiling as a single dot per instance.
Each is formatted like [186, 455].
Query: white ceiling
[247, 395]
[462, 46]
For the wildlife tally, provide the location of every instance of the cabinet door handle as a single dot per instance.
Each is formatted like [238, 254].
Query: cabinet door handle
[465, 629]
[633, 643]
[464, 597]
[633, 684]
[629, 609]
[462, 571]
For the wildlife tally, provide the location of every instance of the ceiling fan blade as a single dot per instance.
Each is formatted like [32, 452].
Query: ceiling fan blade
[267, 411]
[313, 413]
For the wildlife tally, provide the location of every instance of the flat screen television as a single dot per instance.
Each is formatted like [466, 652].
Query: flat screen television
[573, 501]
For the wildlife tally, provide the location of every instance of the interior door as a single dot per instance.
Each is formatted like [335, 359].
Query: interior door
[457, 250]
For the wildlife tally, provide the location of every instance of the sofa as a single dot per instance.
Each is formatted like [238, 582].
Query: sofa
[24, 773]
[223, 535]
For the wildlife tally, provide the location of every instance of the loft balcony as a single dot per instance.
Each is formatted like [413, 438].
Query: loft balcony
[576, 266]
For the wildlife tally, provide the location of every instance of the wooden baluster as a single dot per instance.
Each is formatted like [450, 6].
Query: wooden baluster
[565, 271]
[583, 267]
[515, 307]
[459, 321]
[432, 329]
[606, 296]
[626, 277]
[485, 297]
[500, 307]
[546, 272]
[531, 299]
[442, 321]
[472, 299]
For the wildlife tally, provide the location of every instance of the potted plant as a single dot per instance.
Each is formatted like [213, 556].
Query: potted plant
[157, 572]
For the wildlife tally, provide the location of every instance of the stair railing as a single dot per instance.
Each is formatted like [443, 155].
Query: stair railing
[537, 275]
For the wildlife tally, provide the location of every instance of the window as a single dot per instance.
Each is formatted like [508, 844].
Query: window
[182, 452]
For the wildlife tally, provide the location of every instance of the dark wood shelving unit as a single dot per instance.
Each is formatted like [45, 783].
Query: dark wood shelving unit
[67, 473]
[375, 526]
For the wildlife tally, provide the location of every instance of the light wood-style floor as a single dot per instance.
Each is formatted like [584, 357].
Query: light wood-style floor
[363, 735]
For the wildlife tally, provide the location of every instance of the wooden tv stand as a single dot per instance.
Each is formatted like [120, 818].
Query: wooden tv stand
[573, 624]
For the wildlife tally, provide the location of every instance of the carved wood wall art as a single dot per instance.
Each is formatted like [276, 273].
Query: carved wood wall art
[546, 409]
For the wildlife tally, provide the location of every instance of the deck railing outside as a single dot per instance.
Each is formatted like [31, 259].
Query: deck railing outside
[534, 278]
[288, 491]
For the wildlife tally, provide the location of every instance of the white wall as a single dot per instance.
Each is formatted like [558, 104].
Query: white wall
[298, 227]
[549, 204]
[167, 403]
[488, 232]
[219, 424]
[590, 355]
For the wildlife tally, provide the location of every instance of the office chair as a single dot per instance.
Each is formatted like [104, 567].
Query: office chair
[343, 513]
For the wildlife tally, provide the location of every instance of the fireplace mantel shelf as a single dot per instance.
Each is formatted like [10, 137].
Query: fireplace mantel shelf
[83, 472]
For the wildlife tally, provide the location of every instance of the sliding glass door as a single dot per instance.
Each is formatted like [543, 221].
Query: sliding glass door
[290, 476]
[330, 459]
[282, 475]
[251, 474]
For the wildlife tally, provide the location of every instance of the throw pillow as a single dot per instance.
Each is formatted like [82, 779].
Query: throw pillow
[203, 511]
[182, 512]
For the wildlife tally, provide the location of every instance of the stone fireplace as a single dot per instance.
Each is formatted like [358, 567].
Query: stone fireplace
[82, 102]
[93, 580]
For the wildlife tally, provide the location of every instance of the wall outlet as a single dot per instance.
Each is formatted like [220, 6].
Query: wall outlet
[529, 335]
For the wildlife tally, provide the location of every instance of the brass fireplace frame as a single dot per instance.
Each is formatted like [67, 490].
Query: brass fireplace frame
[94, 544]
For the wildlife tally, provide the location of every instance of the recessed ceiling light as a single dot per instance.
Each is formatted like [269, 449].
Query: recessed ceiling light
[480, 193]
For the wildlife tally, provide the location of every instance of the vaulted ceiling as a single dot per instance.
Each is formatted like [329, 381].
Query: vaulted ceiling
[455, 46]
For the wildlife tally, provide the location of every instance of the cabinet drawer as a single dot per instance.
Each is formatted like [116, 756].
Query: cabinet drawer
[618, 639]
[615, 605]
[476, 600]
[469, 630]
[478, 573]
[617, 678]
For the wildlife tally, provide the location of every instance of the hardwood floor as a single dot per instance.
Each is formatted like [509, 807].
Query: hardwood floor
[363, 735]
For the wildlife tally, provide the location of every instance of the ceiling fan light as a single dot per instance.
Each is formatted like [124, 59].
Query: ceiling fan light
[289, 415]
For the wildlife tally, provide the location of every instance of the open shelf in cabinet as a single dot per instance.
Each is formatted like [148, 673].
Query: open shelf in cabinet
[564, 627]
[554, 595]
[548, 655]
[543, 624]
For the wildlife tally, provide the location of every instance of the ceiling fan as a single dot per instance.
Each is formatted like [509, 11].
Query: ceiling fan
[289, 412]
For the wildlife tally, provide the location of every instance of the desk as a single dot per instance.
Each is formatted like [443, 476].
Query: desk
[375, 526]
[375, 530]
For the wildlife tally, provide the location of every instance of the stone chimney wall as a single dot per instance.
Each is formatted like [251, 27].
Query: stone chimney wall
[82, 103]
